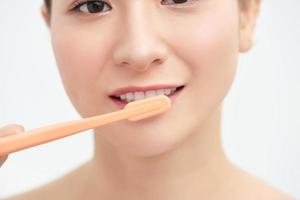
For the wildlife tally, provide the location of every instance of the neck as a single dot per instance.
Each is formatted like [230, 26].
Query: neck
[192, 169]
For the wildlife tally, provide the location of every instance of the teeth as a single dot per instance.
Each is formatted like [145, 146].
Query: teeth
[167, 91]
[159, 92]
[150, 93]
[139, 95]
[133, 96]
[129, 97]
[123, 96]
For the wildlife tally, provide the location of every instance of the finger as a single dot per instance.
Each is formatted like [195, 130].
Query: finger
[2, 160]
[11, 129]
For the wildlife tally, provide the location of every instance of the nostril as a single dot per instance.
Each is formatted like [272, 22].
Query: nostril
[124, 63]
[156, 60]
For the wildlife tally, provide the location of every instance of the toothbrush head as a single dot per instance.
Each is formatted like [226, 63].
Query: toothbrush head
[161, 104]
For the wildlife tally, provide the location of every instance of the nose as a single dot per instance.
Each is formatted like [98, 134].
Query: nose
[140, 46]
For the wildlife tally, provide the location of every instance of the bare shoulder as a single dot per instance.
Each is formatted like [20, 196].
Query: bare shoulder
[262, 190]
[61, 188]
[248, 186]
[45, 192]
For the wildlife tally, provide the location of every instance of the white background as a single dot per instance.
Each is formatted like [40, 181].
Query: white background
[261, 125]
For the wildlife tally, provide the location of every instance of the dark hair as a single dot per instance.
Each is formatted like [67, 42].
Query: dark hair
[48, 4]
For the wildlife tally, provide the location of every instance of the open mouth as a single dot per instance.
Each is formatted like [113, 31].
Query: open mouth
[125, 98]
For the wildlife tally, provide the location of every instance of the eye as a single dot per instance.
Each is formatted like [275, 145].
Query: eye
[168, 2]
[91, 7]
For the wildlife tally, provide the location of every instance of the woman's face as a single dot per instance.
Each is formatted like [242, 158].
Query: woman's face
[144, 43]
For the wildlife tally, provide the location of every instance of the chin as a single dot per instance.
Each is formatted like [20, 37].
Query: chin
[144, 142]
[152, 150]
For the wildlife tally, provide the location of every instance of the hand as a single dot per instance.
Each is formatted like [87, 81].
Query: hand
[6, 131]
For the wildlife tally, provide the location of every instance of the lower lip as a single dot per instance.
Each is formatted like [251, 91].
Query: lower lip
[122, 104]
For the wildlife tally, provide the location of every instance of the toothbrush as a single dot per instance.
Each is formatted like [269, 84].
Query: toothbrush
[133, 111]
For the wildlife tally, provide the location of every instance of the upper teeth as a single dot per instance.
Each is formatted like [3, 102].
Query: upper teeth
[132, 96]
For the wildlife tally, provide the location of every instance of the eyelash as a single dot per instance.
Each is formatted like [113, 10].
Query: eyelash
[77, 5]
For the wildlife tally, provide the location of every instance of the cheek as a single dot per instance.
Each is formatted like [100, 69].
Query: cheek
[80, 58]
[211, 52]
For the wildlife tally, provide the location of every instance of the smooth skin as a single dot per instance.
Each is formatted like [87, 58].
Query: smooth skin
[174, 156]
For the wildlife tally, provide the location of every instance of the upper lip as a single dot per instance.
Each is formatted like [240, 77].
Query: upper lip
[125, 90]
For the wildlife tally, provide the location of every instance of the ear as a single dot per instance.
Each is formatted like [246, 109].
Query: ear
[248, 15]
[46, 15]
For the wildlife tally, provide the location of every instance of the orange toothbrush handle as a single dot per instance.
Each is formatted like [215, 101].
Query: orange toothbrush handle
[46, 134]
